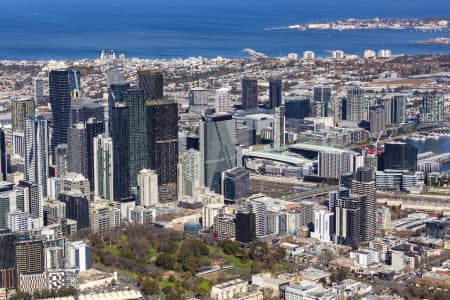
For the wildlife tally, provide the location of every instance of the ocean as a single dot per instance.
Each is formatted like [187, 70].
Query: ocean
[75, 29]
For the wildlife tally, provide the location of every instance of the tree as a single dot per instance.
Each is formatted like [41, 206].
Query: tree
[230, 247]
[165, 261]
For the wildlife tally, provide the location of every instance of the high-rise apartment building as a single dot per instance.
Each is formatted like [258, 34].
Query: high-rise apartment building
[259, 209]
[29, 256]
[77, 208]
[121, 151]
[147, 186]
[348, 219]
[245, 226]
[103, 167]
[398, 109]
[38, 91]
[432, 108]
[279, 127]
[36, 153]
[21, 109]
[357, 106]
[223, 100]
[364, 184]
[189, 165]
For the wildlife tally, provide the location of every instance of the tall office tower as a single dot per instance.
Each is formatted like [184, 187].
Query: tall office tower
[82, 109]
[62, 157]
[249, 94]
[378, 119]
[116, 92]
[103, 167]
[260, 210]
[223, 100]
[246, 227]
[7, 253]
[235, 184]
[432, 108]
[28, 200]
[357, 106]
[3, 156]
[217, 147]
[94, 127]
[135, 99]
[348, 220]
[147, 185]
[322, 94]
[398, 109]
[400, 156]
[364, 184]
[63, 86]
[20, 109]
[77, 208]
[77, 158]
[297, 108]
[36, 153]
[198, 99]
[121, 153]
[162, 145]
[38, 91]
[275, 92]
[279, 128]
[152, 82]
[189, 165]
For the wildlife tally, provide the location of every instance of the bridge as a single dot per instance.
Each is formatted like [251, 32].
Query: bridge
[311, 194]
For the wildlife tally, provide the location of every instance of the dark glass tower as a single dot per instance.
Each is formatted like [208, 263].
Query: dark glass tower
[275, 92]
[400, 156]
[115, 95]
[162, 142]
[84, 108]
[245, 226]
[152, 82]
[77, 158]
[94, 127]
[398, 109]
[297, 109]
[121, 151]
[135, 99]
[249, 94]
[77, 208]
[63, 85]
[235, 184]
[348, 220]
[7, 258]
[3, 156]
[322, 94]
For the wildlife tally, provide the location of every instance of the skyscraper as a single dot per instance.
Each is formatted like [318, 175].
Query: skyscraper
[223, 100]
[398, 109]
[249, 94]
[116, 92]
[275, 92]
[279, 127]
[135, 99]
[217, 147]
[36, 153]
[162, 144]
[38, 91]
[357, 106]
[3, 156]
[245, 226]
[348, 220]
[260, 210]
[20, 109]
[103, 167]
[198, 99]
[322, 96]
[82, 109]
[77, 158]
[64, 85]
[364, 184]
[7, 254]
[400, 156]
[297, 108]
[432, 108]
[147, 183]
[121, 151]
[94, 127]
[152, 82]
